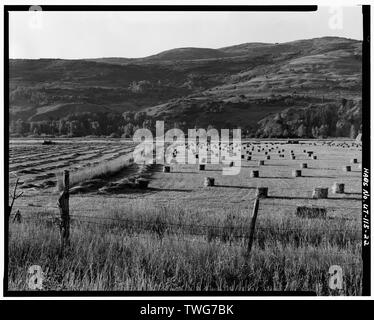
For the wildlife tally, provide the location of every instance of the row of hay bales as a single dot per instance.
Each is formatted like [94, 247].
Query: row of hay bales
[311, 155]
[319, 192]
[213, 148]
[249, 148]
[270, 150]
[262, 192]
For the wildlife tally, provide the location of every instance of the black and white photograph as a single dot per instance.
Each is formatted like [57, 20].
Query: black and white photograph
[186, 151]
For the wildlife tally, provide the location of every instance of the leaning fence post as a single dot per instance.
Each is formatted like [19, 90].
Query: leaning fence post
[253, 224]
[63, 204]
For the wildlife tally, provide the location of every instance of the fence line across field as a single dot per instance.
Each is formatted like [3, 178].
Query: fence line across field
[247, 233]
[46, 208]
[87, 218]
[228, 232]
[204, 242]
[332, 208]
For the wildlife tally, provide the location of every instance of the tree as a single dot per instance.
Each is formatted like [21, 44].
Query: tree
[353, 132]
[286, 133]
[62, 127]
[315, 132]
[35, 128]
[22, 127]
[12, 127]
[95, 127]
[128, 116]
[301, 131]
[128, 130]
[139, 117]
[74, 127]
[323, 131]
[148, 124]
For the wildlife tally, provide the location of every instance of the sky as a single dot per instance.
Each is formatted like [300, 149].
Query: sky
[76, 35]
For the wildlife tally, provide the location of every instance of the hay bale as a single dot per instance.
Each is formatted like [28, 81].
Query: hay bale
[201, 167]
[142, 183]
[338, 187]
[267, 157]
[347, 168]
[262, 192]
[320, 193]
[48, 142]
[255, 174]
[208, 182]
[296, 173]
[249, 158]
[166, 169]
[354, 160]
[243, 156]
[261, 162]
[303, 165]
[311, 212]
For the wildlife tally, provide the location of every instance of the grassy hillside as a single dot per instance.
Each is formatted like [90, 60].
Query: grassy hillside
[232, 86]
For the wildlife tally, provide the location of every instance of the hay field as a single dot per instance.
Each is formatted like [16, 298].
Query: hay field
[179, 235]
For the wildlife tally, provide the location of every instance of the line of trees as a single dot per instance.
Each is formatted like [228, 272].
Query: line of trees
[315, 121]
[84, 124]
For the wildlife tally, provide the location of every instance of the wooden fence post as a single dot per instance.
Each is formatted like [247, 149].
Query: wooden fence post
[253, 224]
[63, 204]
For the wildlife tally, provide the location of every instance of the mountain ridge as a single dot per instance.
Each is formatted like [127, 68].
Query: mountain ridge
[231, 86]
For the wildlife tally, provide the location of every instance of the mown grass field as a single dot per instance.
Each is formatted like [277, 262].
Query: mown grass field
[179, 235]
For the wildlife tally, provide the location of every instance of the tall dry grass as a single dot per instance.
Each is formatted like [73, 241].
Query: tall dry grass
[114, 255]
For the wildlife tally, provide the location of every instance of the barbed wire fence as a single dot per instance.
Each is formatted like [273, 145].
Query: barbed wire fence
[241, 235]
